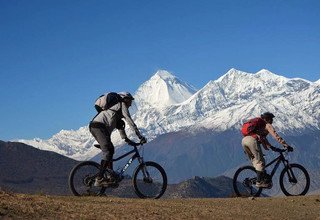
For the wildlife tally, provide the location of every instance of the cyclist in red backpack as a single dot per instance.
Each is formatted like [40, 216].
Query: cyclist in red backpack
[255, 133]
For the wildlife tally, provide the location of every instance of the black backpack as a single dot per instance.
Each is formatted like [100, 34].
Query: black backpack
[106, 101]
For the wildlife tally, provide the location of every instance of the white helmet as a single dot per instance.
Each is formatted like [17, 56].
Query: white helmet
[126, 95]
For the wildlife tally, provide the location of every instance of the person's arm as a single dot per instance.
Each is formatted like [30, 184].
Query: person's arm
[127, 117]
[123, 135]
[265, 143]
[275, 135]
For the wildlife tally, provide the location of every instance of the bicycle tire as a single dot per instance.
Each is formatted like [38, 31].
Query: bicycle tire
[148, 184]
[294, 169]
[246, 187]
[87, 180]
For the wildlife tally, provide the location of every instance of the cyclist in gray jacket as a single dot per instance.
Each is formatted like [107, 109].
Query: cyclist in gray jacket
[101, 128]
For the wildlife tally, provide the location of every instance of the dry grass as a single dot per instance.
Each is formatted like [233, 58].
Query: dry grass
[20, 206]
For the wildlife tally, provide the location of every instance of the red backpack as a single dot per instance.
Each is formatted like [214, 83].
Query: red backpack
[253, 125]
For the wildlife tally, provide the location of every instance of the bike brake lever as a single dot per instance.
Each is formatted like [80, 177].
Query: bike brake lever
[279, 150]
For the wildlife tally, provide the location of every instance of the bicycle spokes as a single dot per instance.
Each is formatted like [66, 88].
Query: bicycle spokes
[147, 180]
[291, 177]
[82, 179]
[150, 180]
[89, 180]
[244, 182]
[294, 180]
[249, 184]
[146, 176]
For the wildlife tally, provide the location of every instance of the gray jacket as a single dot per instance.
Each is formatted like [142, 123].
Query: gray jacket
[110, 117]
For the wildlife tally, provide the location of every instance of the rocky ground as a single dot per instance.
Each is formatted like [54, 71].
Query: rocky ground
[22, 206]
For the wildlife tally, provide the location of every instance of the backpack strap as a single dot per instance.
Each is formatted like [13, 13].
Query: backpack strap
[119, 111]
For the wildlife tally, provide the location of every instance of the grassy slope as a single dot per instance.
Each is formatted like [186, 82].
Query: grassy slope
[68, 207]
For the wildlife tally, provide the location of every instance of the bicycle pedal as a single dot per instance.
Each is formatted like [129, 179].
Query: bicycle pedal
[271, 185]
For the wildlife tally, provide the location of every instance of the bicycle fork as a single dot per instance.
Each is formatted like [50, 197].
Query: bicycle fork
[291, 176]
[146, 175]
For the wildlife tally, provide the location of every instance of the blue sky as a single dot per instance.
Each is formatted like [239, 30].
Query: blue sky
[57, 56]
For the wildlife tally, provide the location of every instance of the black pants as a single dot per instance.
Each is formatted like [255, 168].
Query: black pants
[102, 136]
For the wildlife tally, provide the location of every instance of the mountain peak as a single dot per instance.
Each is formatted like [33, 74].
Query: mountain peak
[264, 71]
[233, 70]
[268, 74]
[231, 74]
[163, 74]
[163, 89]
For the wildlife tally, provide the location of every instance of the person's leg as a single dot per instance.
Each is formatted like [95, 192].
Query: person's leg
[107, 148]
[110, 165]
[103, 166]
[107, 153]
[254, 152]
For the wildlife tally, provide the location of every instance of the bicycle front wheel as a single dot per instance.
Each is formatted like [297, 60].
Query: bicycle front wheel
[294, 180]
[82, 178]
[244, 182]
[149, 180]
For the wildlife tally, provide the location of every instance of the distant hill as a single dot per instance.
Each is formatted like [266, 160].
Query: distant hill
[26, 169]
[197, 187]
[202, 187]
[185, 154]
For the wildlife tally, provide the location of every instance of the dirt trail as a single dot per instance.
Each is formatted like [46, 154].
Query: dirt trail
[67, 207]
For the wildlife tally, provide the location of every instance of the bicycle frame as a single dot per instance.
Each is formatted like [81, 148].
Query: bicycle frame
[285, 162]
[134, 156]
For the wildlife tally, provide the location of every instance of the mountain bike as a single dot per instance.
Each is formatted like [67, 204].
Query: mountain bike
[149, 178]
[294, 179]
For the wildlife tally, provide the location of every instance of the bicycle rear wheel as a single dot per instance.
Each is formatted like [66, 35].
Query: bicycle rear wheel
[82, 178]
[294, 180]
[244, 182]
[149, 180]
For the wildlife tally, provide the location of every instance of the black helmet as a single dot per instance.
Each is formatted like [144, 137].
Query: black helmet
[126, 95]
[267, 115]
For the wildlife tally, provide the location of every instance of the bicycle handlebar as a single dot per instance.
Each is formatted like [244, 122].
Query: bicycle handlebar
[133, 144]
[280, 150]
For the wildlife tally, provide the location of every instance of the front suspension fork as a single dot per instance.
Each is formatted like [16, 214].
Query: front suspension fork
[291, 176]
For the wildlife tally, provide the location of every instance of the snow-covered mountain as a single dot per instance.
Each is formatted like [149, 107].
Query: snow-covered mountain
[76, 144]
[165, 104]
[237, 96]
[162, 90]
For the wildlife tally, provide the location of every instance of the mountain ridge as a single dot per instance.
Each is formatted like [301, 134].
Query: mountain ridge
[36, 171]
[220, 105]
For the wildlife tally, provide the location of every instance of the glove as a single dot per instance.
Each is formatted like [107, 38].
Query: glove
[290, 149]
[130, 142]
[143, 140]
